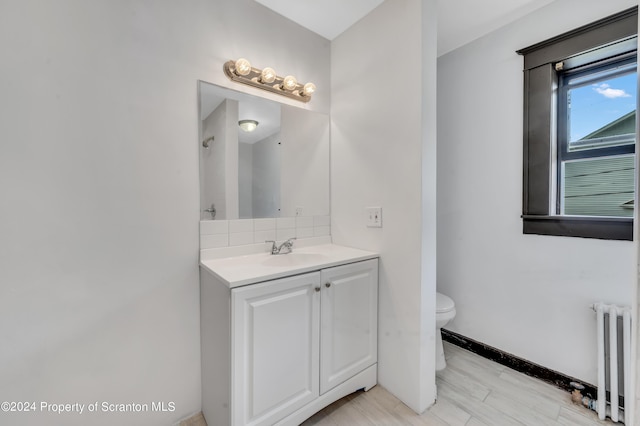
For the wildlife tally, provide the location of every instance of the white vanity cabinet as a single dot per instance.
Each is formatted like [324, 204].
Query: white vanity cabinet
[275, 342]
[276, 352]
[349, 321]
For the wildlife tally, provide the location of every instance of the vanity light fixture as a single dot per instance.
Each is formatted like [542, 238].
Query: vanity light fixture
[248, 125]
[241, 71]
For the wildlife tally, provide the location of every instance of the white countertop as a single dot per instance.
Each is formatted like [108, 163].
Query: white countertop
[237, 271]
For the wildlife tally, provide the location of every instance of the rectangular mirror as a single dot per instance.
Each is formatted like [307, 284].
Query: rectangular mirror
[280, 169]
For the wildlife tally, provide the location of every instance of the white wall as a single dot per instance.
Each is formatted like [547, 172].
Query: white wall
[377, 148]
[245, 180]
[213, 167]
[525, 294]
[230, 180]
[99, 186]
[267, 162]
[304, 179]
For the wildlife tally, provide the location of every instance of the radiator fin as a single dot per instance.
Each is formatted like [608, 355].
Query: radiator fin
[614, 359]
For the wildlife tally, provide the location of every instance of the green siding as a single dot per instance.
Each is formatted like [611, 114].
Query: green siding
[598, 187]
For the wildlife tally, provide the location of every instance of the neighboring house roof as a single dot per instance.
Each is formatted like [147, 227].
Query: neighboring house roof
[623, 125]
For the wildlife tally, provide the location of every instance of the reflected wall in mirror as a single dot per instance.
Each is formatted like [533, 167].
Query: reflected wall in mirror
[280, 169]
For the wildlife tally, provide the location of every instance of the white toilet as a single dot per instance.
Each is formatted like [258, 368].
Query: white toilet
[445, 312]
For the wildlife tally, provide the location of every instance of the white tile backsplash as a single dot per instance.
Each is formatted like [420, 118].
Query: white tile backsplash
[209, 227]
[285, 234]
[321, 220]
[304, 222]
[264, 224]
[262, 236]
[240, 238]
[241, 225]
[234, 233]
[321, 231]
[214, 241]
[304, 232]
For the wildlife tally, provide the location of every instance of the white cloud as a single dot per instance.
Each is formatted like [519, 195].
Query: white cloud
[606, 91]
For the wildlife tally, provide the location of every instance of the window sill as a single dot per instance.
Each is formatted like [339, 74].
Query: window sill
[604, 228]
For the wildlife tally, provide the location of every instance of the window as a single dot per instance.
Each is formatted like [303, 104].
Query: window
[596, 138]
[580, 93]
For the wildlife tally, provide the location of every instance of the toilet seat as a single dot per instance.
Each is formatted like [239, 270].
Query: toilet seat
[444, 304]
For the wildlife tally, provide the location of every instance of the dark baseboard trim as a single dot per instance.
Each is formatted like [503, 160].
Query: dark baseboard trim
[522, 365]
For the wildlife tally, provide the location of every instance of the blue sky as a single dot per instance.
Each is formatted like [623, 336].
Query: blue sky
[594, 105]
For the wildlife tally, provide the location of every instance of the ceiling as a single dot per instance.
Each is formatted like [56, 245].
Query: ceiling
[459, 21]
[462, 21]
[264, 111]
[329, 18]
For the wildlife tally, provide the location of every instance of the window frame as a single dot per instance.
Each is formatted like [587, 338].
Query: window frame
[565, 76]
[613, 35]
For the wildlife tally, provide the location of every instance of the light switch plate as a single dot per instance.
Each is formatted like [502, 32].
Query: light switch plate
[374, 217]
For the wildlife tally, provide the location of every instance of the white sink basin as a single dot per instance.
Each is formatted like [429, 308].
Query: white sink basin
[293, 259]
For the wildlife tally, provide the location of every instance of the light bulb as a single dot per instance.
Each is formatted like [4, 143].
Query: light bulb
[308, 89]
[248, 125]
[289, 82]
[243, 67]
[268, 75]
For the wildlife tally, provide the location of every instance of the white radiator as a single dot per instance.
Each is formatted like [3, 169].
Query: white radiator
[614, 335]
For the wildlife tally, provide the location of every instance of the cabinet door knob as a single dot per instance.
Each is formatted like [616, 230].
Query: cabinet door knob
[317, 288]
[327, 285]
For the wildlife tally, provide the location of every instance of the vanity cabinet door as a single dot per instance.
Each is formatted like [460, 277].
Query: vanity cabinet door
[349, 321]
[274, 340]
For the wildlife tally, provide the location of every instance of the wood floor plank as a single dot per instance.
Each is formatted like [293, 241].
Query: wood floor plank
[475, 422]
[478, 409]
[546, 403]
[473, 388]
[579, 416]
[512, 385]
[320, 420]
[472, 391]
[450, 413]
[375, 412]
[348, 414]
[524, 414]
[384, 398]
[425, 419]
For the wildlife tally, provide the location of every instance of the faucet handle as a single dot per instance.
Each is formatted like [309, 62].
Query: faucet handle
[274, 248]
[288, 245]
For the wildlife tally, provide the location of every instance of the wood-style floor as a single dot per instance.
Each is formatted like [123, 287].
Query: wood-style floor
[472, 391]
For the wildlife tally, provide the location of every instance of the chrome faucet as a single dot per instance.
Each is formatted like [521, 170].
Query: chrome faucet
[287, 245]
